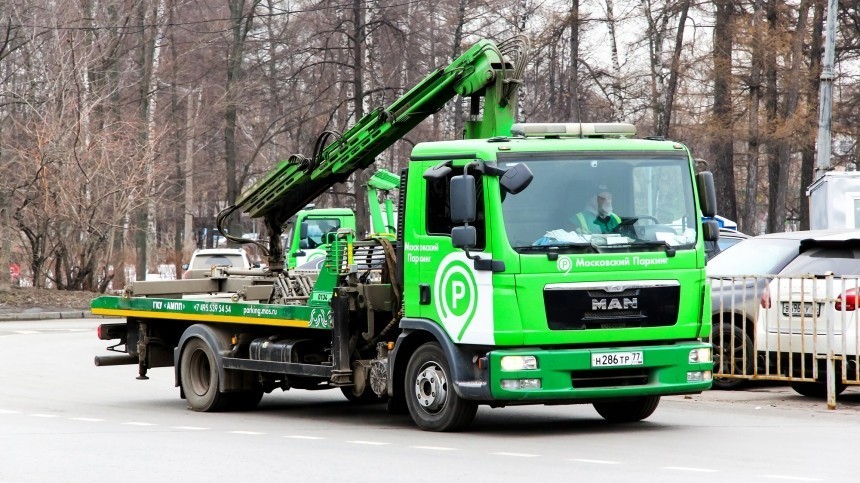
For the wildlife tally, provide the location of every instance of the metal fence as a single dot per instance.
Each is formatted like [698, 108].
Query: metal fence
[800, 329]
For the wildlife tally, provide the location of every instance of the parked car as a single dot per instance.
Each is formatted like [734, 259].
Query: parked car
[728, 239]
[202, 261]
[793, 319]
[738, 278]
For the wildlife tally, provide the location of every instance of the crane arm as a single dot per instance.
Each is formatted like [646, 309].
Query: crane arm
[480, 71]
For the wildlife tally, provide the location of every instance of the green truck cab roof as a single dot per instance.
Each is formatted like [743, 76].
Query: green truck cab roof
[489, 149]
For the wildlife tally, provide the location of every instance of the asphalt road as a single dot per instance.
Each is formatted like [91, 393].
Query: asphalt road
[63, 419]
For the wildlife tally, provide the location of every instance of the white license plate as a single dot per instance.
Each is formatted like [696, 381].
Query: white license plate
[808, 309]
[610, 359]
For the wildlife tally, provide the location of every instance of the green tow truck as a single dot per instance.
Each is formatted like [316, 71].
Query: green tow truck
[306, 238]
[487, 296]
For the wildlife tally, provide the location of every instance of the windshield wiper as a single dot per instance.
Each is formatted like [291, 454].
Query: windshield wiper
[553, 247]
[670, 250]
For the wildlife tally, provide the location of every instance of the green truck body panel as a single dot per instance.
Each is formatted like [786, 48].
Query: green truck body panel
[215, 311]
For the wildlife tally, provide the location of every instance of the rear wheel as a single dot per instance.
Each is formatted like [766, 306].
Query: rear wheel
[733, 354]
[367, 396]
[430, 396]
[199, 374]
[817, 390]
[628, 410]
[243, 400]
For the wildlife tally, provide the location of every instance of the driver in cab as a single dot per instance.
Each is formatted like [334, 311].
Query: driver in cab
[597, 217]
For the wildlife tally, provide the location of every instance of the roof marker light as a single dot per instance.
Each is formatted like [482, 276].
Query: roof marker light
[574, 129]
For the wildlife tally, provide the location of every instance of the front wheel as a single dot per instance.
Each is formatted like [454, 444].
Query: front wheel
[430, 396]
[628, 410]
[198, 371]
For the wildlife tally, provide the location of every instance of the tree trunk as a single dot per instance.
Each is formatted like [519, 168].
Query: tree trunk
[616, 96]
[362, 217]
[749, 216]
[574, 113]
[779, 202]
[666, 121]
[240, 24]
[723, 136]
[807, 166]
[5, 246]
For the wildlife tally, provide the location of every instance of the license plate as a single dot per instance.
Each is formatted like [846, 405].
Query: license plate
[808, 309]
[610, 359]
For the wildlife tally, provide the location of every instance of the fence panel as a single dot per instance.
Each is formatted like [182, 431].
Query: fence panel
[799, 329]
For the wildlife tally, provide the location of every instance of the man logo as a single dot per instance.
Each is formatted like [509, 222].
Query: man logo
[615, 304]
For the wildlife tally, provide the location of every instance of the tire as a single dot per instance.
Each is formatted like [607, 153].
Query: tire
[367, 396]
[817, 390]
[728, 362]
[243, 400]
[430, 396]
[628, 410]
[199, 374]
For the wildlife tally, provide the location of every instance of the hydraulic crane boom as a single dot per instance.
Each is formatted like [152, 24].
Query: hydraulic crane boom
[485, 70]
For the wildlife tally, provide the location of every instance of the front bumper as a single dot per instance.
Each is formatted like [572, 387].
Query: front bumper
[567, 375]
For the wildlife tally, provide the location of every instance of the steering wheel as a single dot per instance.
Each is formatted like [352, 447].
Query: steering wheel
[648, 217]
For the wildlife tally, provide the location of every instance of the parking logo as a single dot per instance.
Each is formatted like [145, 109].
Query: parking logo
[456, 294]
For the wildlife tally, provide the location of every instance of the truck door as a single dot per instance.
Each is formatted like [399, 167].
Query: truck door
[451, 291]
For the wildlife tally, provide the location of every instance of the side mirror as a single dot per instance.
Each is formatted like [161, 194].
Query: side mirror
[463, 199]
[711, 230]
[516, 179]
[707, 193]
[185, 266]
[303, 230]
[464, 236]
[303, 243]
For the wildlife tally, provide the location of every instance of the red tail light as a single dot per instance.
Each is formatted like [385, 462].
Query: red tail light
[765, 298]
[848, 300]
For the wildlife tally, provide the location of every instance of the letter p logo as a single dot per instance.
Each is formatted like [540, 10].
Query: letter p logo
[458, 292]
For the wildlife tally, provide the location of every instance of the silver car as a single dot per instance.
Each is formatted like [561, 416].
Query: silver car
[738, 280]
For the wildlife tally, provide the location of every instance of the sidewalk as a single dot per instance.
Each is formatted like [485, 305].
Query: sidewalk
[44, 314]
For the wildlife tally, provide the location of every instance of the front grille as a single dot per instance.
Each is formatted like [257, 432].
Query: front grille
[580, 309]
[609, 378]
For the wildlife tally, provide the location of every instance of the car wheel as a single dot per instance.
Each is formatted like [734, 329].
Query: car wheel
[733, 354]
[817, 390]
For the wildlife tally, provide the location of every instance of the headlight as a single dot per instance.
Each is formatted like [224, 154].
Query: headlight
[700, 355]
[519, 363]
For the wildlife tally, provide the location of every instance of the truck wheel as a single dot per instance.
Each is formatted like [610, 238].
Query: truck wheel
[367, 396]
[628, 410]
[199, 373]
[430, 396]
[728, 362]
[243, 400]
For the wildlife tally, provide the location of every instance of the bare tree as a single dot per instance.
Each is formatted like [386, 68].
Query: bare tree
[786, 127]
[723, 121]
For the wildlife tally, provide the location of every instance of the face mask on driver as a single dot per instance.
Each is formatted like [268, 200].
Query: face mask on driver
[605, 208]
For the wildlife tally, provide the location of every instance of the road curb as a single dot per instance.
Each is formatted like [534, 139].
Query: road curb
[54, 315]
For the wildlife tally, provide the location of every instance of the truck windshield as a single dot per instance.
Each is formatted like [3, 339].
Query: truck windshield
[602, 203]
